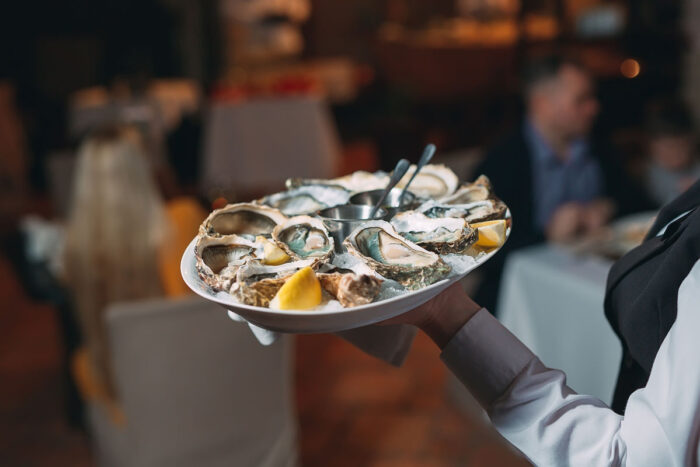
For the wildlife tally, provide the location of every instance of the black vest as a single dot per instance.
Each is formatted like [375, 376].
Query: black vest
[642, 290]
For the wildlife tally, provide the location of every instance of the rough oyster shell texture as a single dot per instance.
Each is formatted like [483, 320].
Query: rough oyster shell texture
[439, 235]
[478, 211]
[395, 257]
[244, 219]
[479, 190]
[356, 181]
[257, 283]
[303, 237]
[229, 253]
[346, 286]
[307, 199]
[218, 259]
[433, 181]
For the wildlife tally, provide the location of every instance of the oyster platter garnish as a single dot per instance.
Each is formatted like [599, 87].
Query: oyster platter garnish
[249, 251]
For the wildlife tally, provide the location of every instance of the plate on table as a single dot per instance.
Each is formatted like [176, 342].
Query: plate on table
[311, 321]
[619, 238]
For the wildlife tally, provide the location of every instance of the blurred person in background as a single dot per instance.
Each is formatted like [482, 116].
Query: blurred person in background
[123, 243]
[671, 150]
[557, 181]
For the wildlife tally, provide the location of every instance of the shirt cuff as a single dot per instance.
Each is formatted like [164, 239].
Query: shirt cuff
[486, 357]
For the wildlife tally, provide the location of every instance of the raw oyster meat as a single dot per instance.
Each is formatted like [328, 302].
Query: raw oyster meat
[303, 237]
[478, 211]
[243, 219]
[433, 181]
[356, 181]
[349, 288]
[394, 257]
[257, 283]
[441, 235]
[307, 199]
[479, 190]
[218, 259]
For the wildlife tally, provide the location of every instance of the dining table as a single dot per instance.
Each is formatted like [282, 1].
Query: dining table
[551, 298]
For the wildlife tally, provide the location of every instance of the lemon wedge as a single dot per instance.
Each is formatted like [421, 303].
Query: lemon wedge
[272, 254]
[492, 234]
[302, 291]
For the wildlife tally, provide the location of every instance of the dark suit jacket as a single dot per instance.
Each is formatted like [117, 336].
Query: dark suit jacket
[509, 166]
[641, 300]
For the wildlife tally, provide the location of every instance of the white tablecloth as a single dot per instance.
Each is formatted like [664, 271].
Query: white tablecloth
[553, 301]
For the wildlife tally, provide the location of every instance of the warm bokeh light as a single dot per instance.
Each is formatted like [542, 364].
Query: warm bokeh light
[219, 202]
[630, 68]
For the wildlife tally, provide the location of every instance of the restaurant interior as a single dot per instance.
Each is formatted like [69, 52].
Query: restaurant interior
[226, 100]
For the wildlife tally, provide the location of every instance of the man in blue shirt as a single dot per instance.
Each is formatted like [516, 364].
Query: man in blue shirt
[557, 181]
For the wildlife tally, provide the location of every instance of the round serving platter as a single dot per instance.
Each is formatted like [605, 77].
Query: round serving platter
[309, 321]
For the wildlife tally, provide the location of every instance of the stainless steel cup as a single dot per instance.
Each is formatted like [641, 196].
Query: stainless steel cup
[342, 220]
[391, 203]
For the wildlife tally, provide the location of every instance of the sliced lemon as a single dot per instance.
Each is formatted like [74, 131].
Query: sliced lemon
[302, 291]
[272, 254]
[492, 234]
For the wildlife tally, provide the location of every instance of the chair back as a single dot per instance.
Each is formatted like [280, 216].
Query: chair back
[260, 143]
[198, 389]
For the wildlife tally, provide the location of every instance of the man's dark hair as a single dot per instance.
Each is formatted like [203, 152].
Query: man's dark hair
[668, 117]
[544, 68]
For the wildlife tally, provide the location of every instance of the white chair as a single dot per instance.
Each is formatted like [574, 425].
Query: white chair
[196, 390]
[260, 143]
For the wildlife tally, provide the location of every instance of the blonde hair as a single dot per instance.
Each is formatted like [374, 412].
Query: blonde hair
[115, 228]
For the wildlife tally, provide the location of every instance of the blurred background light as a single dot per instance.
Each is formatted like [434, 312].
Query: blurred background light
[630, 68]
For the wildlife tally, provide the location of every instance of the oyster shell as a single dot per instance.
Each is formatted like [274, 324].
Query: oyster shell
[441, 235]
[218, 259]
[244, 219]
[349, 288]
[356, 181]
[478, 211]
[257, 283]
[307, 199]
[433, 181]
[394, 257]
[479, 190]
[303, 237]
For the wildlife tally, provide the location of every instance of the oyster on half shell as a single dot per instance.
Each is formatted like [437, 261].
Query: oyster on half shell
[349, 288]
[218, 259]
[303, 237]
[433, 181]
[478, 211]
[479, 190]
[356, 181]
[394, 257]
[441, 235]
[243, 219]
[257, 283]
[307, 199]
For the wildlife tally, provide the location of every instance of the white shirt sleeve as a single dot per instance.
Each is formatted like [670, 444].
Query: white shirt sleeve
[534, 409]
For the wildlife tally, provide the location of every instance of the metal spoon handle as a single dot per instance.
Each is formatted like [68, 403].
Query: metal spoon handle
[428, 154]
[397, 174]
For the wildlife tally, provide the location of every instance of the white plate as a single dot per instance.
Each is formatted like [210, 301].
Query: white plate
[292, 321]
